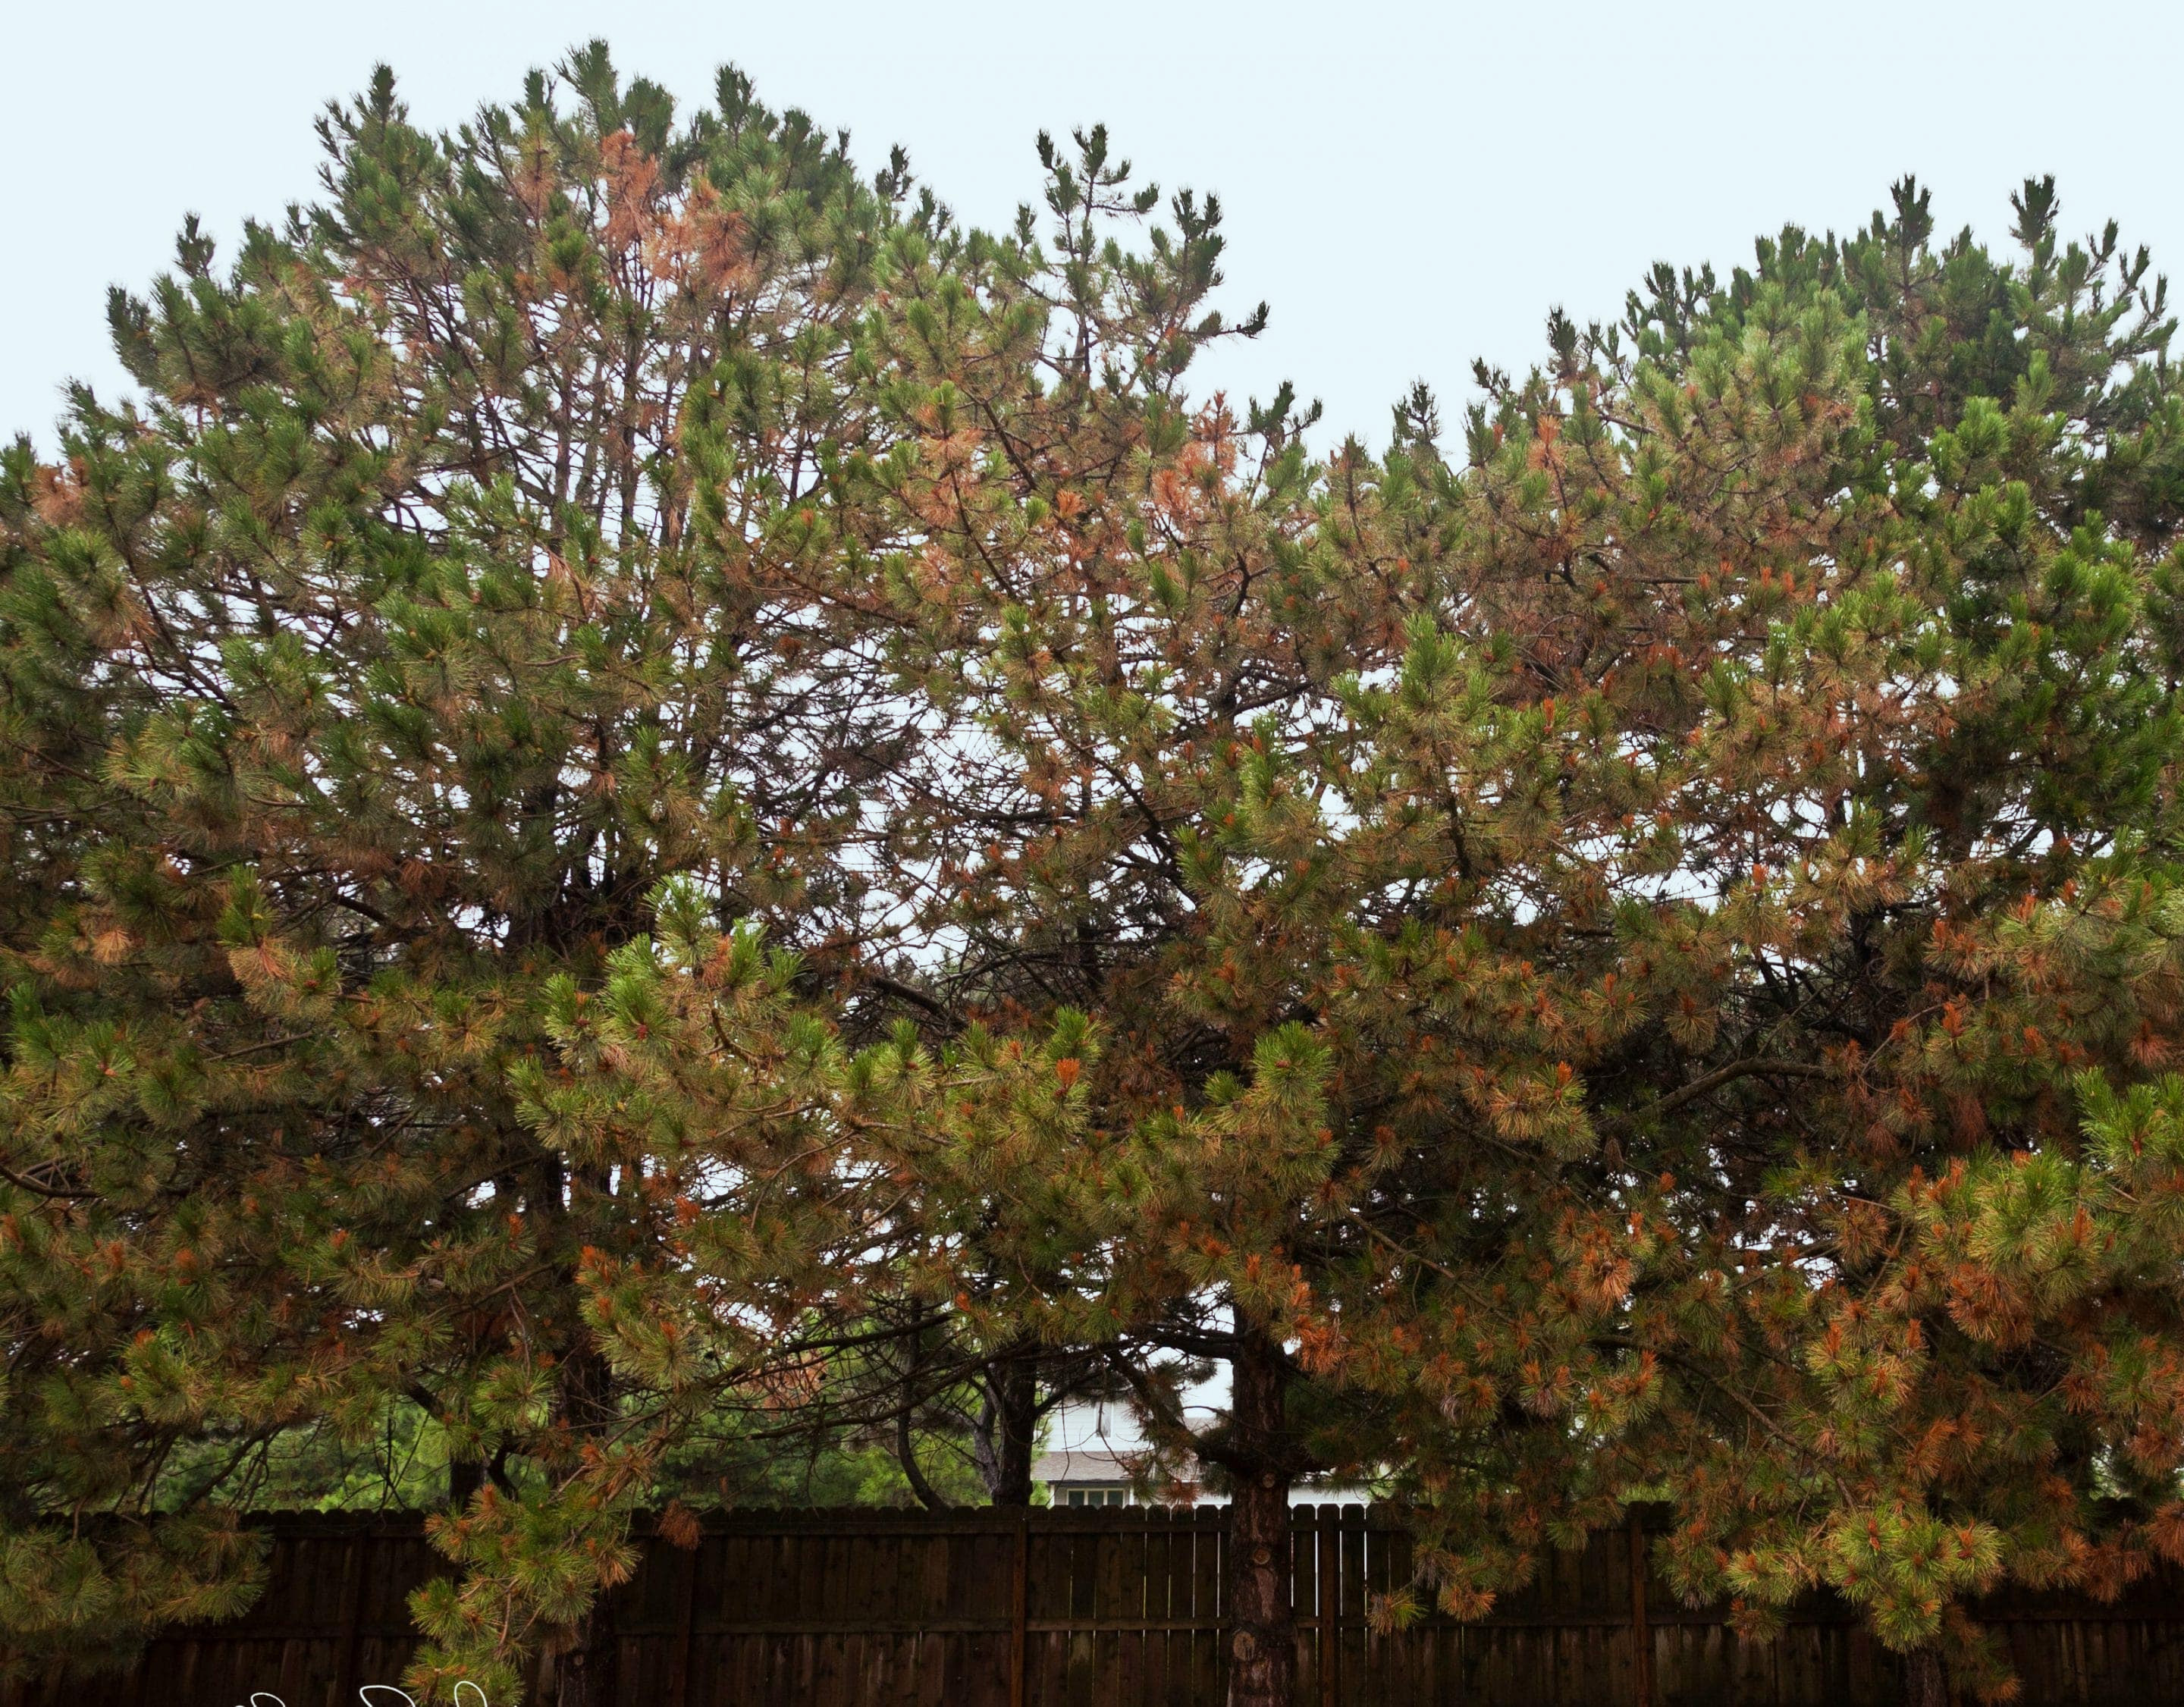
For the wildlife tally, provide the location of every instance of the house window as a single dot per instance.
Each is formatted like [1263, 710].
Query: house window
[1097, 1496]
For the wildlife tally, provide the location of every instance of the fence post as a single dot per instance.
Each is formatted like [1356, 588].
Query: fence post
[1019, 1611]
[1328, 1577]
[352, 1617]
[686, 1631]
[1641, 1634]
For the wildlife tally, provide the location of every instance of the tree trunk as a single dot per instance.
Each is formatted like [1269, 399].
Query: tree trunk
[466, 1476]
[906, 1434]
[1925, 1683]
[906, 1451]
[1261, 1636]
[1013, 1382]
[584, 1670]
[586, 1401]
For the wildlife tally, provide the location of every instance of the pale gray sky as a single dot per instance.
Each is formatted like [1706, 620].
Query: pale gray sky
[1409, 184]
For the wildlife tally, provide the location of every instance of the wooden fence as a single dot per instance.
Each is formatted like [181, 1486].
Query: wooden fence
[1101, 1606]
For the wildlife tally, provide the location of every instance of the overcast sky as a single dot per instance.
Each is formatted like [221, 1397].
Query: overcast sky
[1410, 185]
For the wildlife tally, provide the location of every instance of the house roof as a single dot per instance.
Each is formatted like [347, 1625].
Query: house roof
[1085, 1464]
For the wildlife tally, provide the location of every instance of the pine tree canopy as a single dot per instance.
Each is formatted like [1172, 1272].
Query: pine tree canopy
[479, 557]
[661, 808]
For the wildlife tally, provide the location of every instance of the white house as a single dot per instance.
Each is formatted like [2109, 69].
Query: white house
[1095, 1448]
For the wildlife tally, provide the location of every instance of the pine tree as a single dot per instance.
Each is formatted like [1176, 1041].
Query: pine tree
[1816, 815]
[481, 553]
[655, 795]
[1522, 905]
[1112, 593]
[1974, 1230]
[1052, 614]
